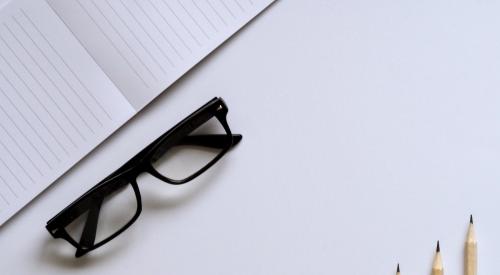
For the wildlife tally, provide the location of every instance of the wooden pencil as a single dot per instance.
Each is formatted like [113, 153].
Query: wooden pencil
[398, 272]
[437, 266]
[471, 250]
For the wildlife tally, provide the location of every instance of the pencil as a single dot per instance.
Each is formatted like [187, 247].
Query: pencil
[471, 250]
[437, 266]
[398, 272]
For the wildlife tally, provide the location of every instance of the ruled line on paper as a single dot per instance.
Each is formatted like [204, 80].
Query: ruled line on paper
[71, 70]
[200, 10]
[39, 101]
[31, 127]
[216, 12]
[26, 122]
[4, 200]
[4, 182]
[144, 48]
[239, 5]
[155, 25]
[23, 134]
[21, 149]
[183, 24]
[22, 97]
[44, 89]
[141, 25]
[68, 101]
[125, 41]
[22, 167]
[157, 10]
[193, 19]
[13, 175]
[113, 44]
[63, 95]
[228, 9]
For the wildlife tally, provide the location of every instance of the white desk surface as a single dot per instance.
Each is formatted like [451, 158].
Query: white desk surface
[371, 130]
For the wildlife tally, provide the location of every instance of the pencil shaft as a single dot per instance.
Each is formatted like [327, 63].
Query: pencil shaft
[471, 258]
[437, 265]
[471, 252]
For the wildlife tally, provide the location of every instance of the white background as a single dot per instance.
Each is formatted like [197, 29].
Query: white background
[371, 130]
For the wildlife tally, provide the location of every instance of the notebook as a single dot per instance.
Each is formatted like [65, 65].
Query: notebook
[73, 71]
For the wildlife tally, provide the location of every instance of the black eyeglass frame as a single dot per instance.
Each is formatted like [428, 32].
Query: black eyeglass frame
[140, 163]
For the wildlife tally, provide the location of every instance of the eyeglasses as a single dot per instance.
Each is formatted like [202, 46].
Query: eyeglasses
[178, 156]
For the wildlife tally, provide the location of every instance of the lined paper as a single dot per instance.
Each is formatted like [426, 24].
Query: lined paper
[56, 104]
[73, 71]
[145, 45]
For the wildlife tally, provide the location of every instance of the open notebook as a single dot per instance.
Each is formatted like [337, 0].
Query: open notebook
[74, 71]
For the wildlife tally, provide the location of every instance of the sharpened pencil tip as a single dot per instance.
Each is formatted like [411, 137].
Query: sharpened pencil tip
[398, 271]
[471, 220]
[438, 248]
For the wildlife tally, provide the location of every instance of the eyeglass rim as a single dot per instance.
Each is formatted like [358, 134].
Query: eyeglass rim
[225, 149]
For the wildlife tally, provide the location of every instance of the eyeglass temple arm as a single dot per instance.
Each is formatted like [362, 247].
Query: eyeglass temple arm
[87, 238]
[211, 141]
